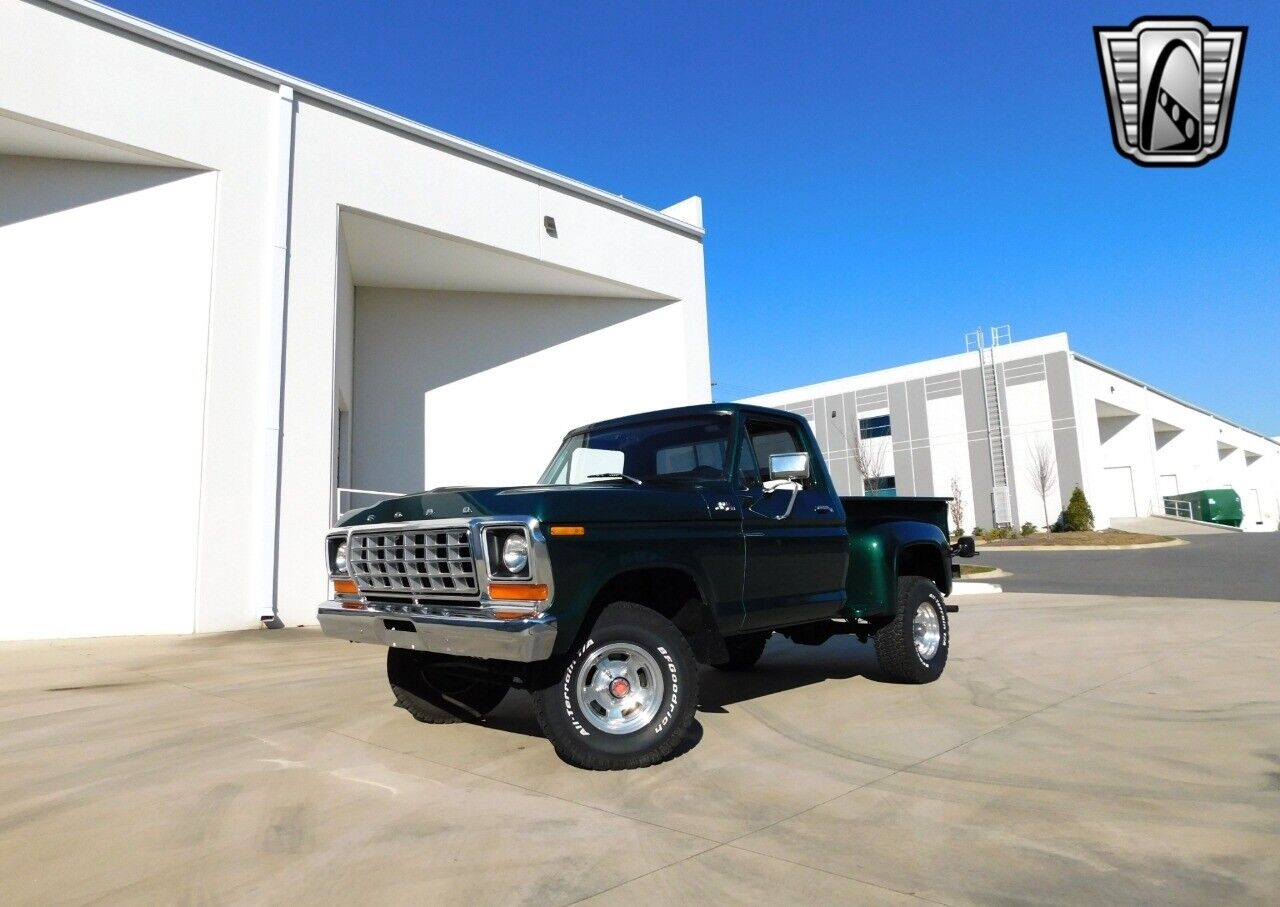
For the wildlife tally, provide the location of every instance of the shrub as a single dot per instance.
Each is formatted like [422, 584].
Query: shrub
[1078, 517]
[979, 532]
[1028, 528]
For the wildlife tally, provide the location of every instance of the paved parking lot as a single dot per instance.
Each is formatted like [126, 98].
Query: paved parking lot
[1081, 749]
[1243, 566]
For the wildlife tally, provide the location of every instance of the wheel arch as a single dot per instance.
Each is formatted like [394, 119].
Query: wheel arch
[927, 559]
[675, 593]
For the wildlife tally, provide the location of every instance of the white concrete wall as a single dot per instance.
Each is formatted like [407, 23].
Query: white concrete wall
[949, 445]
[442, 398]
[156, 100]
[176, 106]
[1030, 427]
[106, 272]
[1191, 457]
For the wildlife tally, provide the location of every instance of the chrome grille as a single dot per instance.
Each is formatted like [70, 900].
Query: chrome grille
[424, 562]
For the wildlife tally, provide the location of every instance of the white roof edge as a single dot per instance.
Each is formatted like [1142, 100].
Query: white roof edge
[207, 52]
[1168, 396]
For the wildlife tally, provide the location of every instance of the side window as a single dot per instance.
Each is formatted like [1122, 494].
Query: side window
[768, 438]
[748, 469]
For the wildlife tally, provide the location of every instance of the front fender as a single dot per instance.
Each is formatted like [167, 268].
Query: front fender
[709, 553]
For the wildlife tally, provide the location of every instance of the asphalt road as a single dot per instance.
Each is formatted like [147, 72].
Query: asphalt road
[1242, 566]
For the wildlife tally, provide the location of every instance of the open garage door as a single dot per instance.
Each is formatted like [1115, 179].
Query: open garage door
[1118, 499]
[468, 364]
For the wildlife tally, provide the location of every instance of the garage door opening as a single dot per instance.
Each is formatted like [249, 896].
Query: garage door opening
[465, 365]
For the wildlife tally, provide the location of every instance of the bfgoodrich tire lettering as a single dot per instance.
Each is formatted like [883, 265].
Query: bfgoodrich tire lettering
[667, 669]
[901, 655]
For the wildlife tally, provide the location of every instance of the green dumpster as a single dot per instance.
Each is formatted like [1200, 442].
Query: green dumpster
[1213, 505]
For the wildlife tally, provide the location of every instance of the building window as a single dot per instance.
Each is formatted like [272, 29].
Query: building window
[874, 427]
[880, 487]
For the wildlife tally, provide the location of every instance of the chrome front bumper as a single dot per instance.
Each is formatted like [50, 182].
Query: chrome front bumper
[529, 639]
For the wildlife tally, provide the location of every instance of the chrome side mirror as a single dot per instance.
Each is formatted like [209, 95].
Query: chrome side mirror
[793, 466]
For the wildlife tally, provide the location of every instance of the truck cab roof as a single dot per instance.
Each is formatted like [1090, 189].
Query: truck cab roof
[701, 409]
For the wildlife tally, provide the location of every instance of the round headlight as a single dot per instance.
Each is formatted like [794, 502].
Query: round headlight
[515, 553]
[340, 562]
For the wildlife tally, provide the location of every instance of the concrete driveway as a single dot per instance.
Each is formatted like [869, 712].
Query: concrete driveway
[1243, 566]
[1084, 750]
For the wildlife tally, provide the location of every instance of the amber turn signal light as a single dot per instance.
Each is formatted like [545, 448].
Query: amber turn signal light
[522, 592]
[512, 615]
[568, 530]
[345, 587]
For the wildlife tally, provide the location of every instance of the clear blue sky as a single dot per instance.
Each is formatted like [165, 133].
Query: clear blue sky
[877, 179]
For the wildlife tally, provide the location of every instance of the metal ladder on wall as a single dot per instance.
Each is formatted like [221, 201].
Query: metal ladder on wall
[1001, 501]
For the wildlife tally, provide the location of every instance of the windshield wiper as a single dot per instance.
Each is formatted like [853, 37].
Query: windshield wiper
[615, 475]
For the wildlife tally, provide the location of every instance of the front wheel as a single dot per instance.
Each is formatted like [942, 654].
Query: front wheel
[913, 646]
[625, 697]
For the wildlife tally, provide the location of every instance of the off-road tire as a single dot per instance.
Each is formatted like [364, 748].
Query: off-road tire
[744, 651]
[576, 740]
[895, 641]
[426, 688]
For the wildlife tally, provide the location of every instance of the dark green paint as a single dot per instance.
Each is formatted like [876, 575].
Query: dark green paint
[1214, 505]
[810, 566]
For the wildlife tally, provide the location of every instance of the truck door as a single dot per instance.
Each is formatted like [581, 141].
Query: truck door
[795, 566]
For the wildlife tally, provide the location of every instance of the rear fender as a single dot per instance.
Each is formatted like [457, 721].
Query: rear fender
[880, 552]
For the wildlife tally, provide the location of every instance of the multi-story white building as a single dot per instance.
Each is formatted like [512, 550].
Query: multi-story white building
[978, 425]
[230, 294]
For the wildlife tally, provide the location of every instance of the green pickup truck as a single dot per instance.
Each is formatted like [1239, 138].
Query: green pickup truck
[651, 544]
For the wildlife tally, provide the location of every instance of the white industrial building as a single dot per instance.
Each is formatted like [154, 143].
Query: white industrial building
[229, 295]
[981, 420]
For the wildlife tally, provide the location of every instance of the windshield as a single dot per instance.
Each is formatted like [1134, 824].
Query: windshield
[693, 447]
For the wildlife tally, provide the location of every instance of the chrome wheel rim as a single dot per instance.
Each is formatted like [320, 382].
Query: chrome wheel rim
[926, 628]
[620, 688]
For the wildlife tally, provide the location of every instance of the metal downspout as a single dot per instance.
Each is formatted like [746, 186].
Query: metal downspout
[271, 369]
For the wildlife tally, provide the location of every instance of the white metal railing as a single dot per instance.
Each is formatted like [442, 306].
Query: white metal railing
[1178, 508]
[341, 505]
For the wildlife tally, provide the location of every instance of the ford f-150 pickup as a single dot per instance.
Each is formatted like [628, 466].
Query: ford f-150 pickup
[652, 543]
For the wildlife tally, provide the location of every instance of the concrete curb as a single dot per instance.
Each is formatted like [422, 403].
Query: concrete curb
[964, 587]
[998, 573]
[1172, 543]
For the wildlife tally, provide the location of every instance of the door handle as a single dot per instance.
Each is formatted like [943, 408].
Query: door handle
[823, 508]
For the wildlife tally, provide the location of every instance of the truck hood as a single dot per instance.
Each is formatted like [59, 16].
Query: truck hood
[608, 502]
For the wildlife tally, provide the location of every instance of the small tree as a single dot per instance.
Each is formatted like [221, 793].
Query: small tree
[957, 505]
[1078, 517]
[1042, 469]
[868, 458]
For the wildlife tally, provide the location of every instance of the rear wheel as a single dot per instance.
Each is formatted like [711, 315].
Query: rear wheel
[913, 646]
[435, 689]
[625, 697]
[744, 651]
